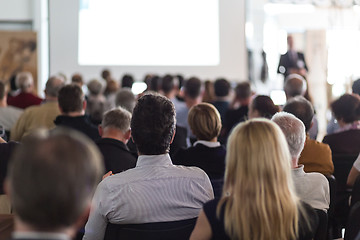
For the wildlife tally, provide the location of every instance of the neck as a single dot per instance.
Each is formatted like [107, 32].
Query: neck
[294, 162]
[23, 227]
[75, 114]
[114, 134]
[3, 102]
[192, 102]
[50, 98]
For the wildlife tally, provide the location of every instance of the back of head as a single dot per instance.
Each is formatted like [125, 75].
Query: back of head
[53, 86]
[347, 108]
[222, 87]
[295, 85]
[77, 79]
[126, 99]
[258, 194]
[105, 74]
[302, 109]
[2, 90]
[127, 81]
[153, 124]
[168, 84]
[71, 98]
[193, 88]
[52, 179]
[24, 81]
[294, 131]
[265, 106]
[356, 87]
[204, 121]
[118, 118]
[95, 87]
[243, 91]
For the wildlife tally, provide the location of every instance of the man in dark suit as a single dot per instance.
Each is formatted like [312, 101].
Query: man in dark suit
[292, 61]
[115, 133]
[51, 180]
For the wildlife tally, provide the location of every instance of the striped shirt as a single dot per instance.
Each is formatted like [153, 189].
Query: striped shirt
[154, 191]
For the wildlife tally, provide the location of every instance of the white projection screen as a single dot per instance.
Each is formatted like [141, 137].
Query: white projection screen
[204, 38]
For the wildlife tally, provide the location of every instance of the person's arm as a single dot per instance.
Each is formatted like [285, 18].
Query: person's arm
[96, 225]
[354, 172]
[202, 230]
[18, 130]
[2, 140]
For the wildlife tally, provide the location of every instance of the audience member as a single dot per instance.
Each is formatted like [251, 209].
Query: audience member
[209, 92]
[222, 90]
[193, 96]
[155, 190]
[239, 108]
[170, 88]
[258, 200]
[26, 98]
[6, 151]
[77, 79]
[296, 85]
[72, 106]
[206, 153]
[356, 87]
[125, 99]
[262, 106]
[127, 81]
[96, 101]
[41, 116]
[110, 92]
[8, 114]
[115, 133]
[106, 75]
[50, 183]
[354, 172]
[316, 156]
[312, 188]
[347, 113]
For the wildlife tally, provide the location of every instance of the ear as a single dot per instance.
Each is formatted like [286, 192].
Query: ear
[84, 105]
[101, 130]
[80, 222]
[61, 110]
[312, 123]
[127, 135]
[172, 139]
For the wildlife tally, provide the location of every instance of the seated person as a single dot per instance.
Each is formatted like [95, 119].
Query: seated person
[262, 107]
[155, 190]
[258, 200]
[354, 172]
[206, 153]
[312, 188]
[115, 133]
[347, 113]
[51, 181]
[316, 156]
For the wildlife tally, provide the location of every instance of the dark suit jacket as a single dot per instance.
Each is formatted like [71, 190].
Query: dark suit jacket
[117, 157]
[80, 123]
[211, 160]
[287, 62]
[346, 142]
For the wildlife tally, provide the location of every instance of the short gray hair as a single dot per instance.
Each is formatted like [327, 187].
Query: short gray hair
[126, 99]
[53, 86]
[118, 118]
[95, 87]
[294, 131]
[295, 85]
[24, 80]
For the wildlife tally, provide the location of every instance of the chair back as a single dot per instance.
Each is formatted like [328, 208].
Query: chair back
[176, 230]
[353, 223]
[322, 230]
[342, 166]
[217, 185]
[6, 225]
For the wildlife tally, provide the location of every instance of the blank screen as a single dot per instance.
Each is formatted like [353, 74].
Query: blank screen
[149, 32]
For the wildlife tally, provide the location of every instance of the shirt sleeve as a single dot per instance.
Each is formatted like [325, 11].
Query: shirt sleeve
[97, 222]
[357, 163]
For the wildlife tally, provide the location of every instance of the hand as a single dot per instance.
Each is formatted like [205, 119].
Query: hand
[109, 173]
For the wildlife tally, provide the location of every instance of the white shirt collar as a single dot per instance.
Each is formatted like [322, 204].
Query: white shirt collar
[154, 160]
[207, 143]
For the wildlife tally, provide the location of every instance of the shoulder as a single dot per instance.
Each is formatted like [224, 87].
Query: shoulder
[320, 146]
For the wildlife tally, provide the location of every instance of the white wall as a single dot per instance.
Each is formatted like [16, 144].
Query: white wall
[19, 10]
[63, 18]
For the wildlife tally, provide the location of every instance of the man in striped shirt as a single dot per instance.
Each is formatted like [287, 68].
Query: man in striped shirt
[155, 190]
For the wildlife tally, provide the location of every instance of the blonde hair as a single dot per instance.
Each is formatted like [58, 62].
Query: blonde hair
[205, 122]
[259, 201]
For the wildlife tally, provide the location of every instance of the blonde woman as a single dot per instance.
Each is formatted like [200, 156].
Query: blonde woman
[258, 200]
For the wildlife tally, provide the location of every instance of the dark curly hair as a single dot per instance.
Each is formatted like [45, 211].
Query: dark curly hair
[347, 108]
[153, 124]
